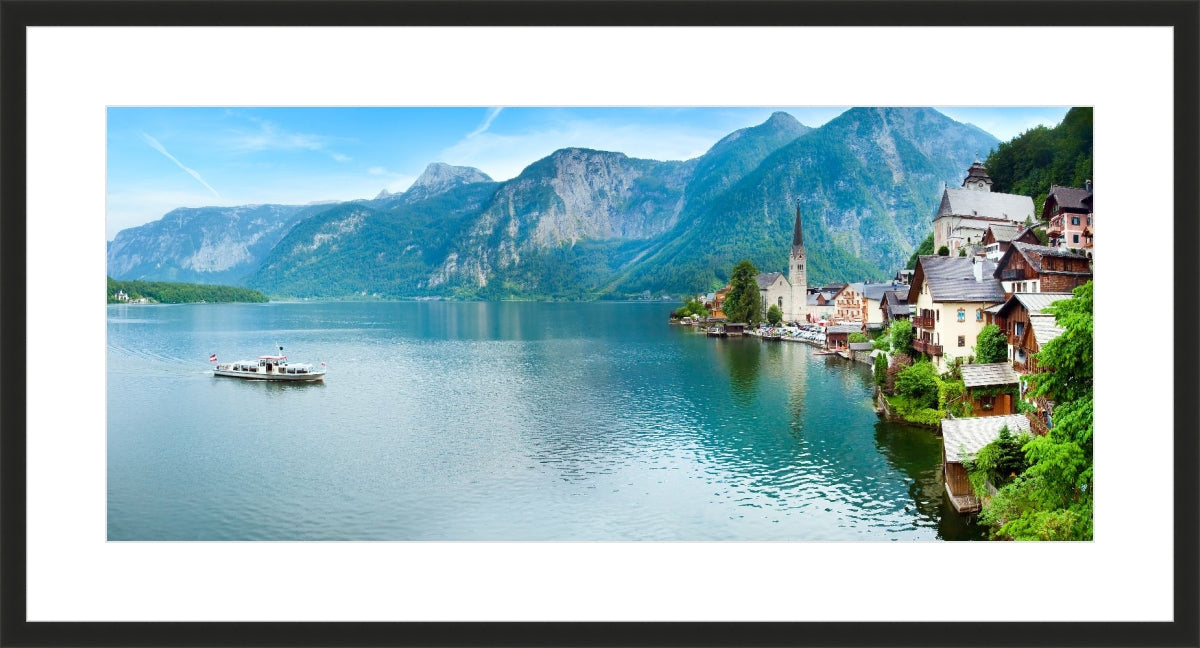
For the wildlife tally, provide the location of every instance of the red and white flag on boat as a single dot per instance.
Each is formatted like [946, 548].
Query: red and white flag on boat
[212, 358]
[322, 364]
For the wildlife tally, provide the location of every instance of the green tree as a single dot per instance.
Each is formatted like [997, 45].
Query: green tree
[881, 365]
[1000, 461]
[902, 336]
[774, 315]
[1052, 499]
[991, 345]
[743, 303]
[919, 384]
[924, 249]
[689, 308]
[943, 251]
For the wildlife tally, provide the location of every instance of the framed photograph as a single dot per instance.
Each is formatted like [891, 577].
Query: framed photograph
[519, 323]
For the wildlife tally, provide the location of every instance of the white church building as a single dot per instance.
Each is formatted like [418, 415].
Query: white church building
[789, 293]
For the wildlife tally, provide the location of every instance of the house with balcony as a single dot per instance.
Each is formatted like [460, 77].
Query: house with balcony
[1023, 320]
[1039, 268]
[1068, 217]
[965, 214]
[848, 304]
[962, 439]
[949, 295]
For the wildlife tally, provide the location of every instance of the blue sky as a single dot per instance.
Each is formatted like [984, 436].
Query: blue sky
[163, 158]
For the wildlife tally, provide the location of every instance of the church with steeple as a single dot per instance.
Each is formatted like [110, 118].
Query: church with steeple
[965, 214]
[790, 292]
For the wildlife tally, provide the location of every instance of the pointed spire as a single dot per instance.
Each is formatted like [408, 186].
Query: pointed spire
[798, 235]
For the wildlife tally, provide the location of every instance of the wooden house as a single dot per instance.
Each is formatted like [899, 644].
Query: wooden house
[838, 335]
[1023, 321]
[991, 388]
[1067, 216]
[961, 440]
[950, 295]
[894, 305]
[1038, 268]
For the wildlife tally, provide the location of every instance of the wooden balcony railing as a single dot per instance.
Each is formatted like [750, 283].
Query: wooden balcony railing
[933, 349]
[1013, 275]
[923, 321]
[920, 345]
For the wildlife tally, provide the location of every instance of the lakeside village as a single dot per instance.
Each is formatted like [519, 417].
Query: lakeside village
[987, 342]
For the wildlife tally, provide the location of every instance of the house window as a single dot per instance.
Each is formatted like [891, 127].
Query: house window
[1020, 327]
[978, 314]
[962, 315]
[1074, 220]
[1074, 238]
[987, 402]
[1089, 220]
[962, 340]
[781, 302]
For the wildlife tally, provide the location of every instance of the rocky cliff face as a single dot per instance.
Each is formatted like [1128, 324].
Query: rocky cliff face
[572, 195]
[204, 245]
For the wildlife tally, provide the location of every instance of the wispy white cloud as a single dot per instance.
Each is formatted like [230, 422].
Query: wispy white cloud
[192, 172]
[487, 122]
[270, 137]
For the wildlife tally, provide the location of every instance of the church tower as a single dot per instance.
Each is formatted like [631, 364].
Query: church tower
[798, 274]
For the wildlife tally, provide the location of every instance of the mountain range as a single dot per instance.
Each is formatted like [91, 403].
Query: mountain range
[582, 223]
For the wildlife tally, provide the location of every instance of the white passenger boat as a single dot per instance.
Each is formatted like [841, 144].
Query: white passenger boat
[270, 367]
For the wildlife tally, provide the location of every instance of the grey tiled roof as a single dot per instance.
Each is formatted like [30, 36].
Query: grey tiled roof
[1044, 328]
[875, 291]
[1069, 198]
[844, 328]
[860, 346]
[766, 279]
[1037, 302]
[983, 375]
[990, 204]
[952, 279]
[962, 438]
[1004, 233]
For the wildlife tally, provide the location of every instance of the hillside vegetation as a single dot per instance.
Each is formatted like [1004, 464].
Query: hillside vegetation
[1040, 157]
[165, 292]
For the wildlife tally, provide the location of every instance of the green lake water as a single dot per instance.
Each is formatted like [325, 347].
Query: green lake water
[446, 421]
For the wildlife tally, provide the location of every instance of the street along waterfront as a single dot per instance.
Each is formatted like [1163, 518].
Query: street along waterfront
[501, 421]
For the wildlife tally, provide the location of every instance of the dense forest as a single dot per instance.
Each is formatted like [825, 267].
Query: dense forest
[1040, 157]
[164, 292]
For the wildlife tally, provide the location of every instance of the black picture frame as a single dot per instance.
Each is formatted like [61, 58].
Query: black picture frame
[16, 16]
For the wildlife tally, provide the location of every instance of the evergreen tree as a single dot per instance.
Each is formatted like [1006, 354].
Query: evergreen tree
[743, 303]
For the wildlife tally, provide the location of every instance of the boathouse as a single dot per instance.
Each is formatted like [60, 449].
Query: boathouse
[991, 388]
[961, 439]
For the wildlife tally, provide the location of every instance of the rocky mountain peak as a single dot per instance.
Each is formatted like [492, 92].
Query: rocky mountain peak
[440, 177]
